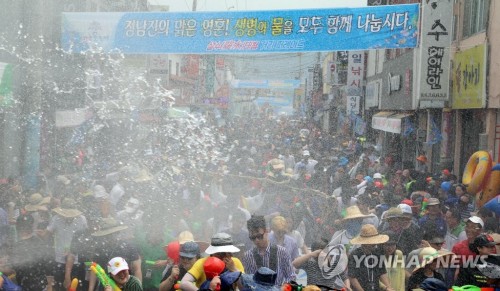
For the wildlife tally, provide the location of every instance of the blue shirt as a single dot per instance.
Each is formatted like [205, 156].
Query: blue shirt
[439, 222]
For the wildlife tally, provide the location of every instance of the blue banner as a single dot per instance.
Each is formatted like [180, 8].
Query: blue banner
[375, 27]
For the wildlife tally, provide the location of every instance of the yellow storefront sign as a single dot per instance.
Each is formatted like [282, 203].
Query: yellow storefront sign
[469, 78]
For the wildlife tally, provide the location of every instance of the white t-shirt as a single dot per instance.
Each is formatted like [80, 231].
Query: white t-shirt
[63, 234]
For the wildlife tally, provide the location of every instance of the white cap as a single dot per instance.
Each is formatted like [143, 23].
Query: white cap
[306, 153]
[405, 208]
[476, 219]
[377, 176]
[116, 265]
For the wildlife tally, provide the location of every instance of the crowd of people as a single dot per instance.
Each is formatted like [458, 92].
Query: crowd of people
[280, 197]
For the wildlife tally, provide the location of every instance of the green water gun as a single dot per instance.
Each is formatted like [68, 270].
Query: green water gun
[103, 277]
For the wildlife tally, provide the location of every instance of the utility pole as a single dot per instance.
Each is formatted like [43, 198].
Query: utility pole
[195, 3]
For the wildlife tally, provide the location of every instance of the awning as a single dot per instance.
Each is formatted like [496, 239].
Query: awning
[389, 121]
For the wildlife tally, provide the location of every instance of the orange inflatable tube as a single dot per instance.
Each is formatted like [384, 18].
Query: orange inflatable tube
[477, 171]
[491, 188]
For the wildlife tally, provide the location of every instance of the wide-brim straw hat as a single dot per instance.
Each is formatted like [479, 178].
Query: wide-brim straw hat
[369, 236]
[353, 212]
[108, 226]
[143, 176]
[429, 254]
[276, 164]
[37, 202]
[67, 208]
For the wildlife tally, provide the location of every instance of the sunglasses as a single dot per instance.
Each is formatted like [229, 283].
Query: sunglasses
[257, 236]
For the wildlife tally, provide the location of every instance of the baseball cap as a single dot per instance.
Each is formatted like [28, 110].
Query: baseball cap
[377, 176]
[116, 265]
[484, 240]
[476, 219]
[405, 208]
[189, 249]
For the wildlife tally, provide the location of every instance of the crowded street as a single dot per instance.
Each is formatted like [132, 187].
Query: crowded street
[168, 145]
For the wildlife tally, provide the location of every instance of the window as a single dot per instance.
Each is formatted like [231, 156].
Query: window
[475, 16]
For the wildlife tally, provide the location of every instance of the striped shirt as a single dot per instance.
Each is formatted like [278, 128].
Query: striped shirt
[288, 243]
[284, 265]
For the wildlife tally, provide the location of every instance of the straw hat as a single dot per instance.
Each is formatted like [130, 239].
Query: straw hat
[276, 164]
[428, 255]
[37, 202]
[185, 236]
[369, 236]
[353, 212]
[68, 208]
[108, 226]
[142, 176]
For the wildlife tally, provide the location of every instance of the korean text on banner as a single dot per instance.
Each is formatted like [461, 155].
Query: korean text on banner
[376, 27]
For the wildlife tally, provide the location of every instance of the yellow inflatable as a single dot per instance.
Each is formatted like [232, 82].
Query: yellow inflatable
[477, 171]
[491, 188]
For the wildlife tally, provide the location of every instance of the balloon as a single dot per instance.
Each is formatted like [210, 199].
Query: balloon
[446, 186]
[494, 205]
[172, 250]
[379, 185]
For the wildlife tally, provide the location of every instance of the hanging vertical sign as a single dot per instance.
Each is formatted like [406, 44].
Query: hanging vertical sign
[355, 72]
[436, 37]
[352, 105]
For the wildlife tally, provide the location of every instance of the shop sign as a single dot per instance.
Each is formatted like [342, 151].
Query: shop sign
[469, 78]
[355, 73]
[391, 122]
[387, 124]
[434, 53]
[352, 105]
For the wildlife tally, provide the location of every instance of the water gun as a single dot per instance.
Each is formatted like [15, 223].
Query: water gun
[425, 201]
[471, 288]
[74, 284]
[103, 277]
[177, 286]
[149, 262]
[292, 286]
[172, 251]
